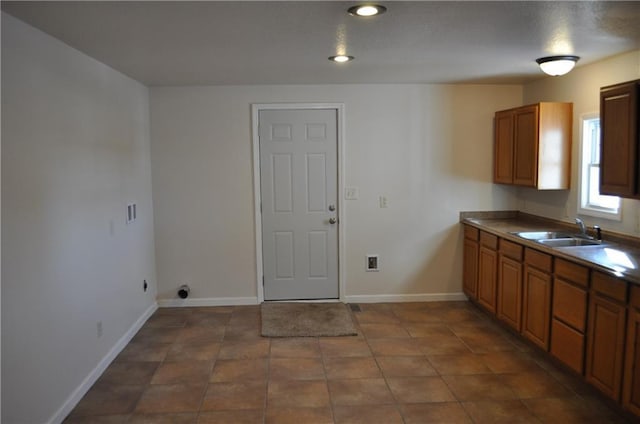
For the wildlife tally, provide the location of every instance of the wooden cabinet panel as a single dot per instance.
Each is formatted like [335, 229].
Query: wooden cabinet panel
[619, 134]
[570, 304]
[503, 169]
[631, 389]
[526, 146]
[511, 250]
[567, 345]
[470, 268]
[489, 240]
[471, 233]
[509, 306]
[487, 277]
[536, 306]
[533, 146]
[609, 286]
[606, 337]
[538, 260]
[569, 311]
[574, 273]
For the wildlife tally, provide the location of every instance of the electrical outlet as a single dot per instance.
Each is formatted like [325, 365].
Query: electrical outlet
[99, 328]
[373, 263]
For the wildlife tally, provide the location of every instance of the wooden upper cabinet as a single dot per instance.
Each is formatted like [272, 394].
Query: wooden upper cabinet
[525, 171]
[533, 146]
[503, 171]
[619, 174]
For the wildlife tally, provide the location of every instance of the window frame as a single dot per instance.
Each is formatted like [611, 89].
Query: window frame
[585, 164]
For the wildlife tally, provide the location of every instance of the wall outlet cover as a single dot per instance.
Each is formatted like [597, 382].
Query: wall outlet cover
[373, 263]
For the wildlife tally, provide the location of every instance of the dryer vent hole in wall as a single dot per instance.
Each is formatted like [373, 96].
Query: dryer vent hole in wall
[373, 263]
[183, 291]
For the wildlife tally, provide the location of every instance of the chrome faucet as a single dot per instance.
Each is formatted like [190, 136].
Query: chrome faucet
[583, 228]
[583, 231]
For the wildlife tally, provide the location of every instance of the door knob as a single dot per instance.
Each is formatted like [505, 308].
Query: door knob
[332, 220]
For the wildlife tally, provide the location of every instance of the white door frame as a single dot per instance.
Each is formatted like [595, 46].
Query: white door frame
[255, 110]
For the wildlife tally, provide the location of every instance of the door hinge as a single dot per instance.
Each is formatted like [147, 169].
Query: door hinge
[263, 281]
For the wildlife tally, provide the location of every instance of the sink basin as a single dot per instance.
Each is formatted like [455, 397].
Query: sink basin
[568, 242]
[542, 235]
[557, 239]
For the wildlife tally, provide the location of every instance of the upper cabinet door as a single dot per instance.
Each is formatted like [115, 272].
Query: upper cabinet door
[526, 146]
[533, 146]
[619, 140]
[503, 161]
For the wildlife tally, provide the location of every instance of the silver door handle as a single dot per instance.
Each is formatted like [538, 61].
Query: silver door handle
[332, 220]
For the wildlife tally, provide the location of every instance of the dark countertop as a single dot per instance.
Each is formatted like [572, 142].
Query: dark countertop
[618, 255]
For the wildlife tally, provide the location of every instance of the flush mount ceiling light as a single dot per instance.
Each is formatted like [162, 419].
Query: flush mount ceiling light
[557, 65]
[341, 58]
[365, 10]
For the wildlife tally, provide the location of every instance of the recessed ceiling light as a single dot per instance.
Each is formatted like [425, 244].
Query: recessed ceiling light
[341, 58]
[366, 10]
[557, 65]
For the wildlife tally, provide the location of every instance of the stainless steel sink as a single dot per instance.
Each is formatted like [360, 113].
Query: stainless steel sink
[542, 235]
[557, 239]
[569, 242]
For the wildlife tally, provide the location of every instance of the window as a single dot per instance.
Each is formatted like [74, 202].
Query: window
[591, 201]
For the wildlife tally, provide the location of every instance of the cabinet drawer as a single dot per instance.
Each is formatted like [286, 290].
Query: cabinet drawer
[569, 271]
[567, 345]
[609, 286]
[489, 240]
[511, 250]
[570, 304]
[471, 233]
[539, 260]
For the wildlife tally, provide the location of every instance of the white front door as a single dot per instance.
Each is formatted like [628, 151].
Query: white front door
[298, 186]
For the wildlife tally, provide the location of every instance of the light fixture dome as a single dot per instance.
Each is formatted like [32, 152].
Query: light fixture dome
[366, 10]
[557, 65]
[341, 58]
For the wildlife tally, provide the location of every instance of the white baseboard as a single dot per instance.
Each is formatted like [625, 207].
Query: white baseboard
[207, 301]
[422, 297]
[93, 376]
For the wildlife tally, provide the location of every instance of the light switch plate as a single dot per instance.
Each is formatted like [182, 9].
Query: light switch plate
[384, 202]
[351, 193]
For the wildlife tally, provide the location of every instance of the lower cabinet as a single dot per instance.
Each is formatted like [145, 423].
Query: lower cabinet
[487, 271]
[536, 297]
[470, 262]
[606, 334]
[631, 384]
[569, 314]
[509, 302]
[586, 319]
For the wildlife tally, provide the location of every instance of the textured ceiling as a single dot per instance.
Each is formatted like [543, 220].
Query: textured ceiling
[265, 42]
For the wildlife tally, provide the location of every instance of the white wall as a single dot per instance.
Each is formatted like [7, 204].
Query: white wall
[428, 148]
[75, 151]
[582, 87]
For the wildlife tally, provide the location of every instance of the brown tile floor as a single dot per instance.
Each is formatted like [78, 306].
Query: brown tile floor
[442, 362]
